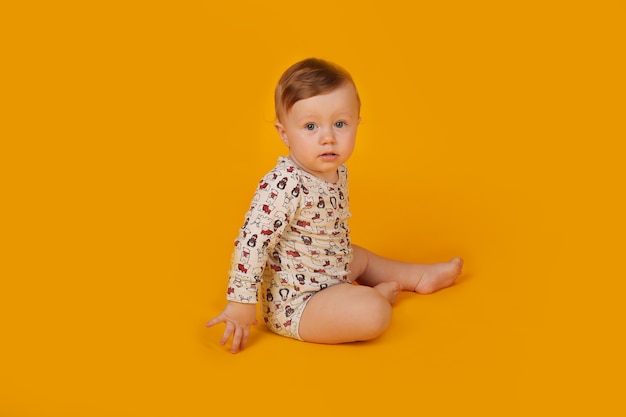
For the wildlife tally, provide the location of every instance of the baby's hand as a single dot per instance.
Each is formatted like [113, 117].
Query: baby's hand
[238, 318]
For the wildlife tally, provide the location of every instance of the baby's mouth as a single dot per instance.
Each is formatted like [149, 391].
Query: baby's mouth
[329, 156]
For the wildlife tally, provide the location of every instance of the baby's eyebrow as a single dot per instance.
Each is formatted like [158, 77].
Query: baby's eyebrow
[308, 116]
[340, 115]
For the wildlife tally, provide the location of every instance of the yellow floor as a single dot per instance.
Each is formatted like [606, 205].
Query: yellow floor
[133, 140]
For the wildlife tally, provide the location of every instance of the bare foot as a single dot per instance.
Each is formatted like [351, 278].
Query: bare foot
[433, 277]
[389, 290]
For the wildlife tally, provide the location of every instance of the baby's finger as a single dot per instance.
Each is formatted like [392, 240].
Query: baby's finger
[228, 332]
[217, 320]
[244, 339]
[236, 346]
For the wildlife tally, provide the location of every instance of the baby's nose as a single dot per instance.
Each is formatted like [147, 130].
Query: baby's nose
[328, 136]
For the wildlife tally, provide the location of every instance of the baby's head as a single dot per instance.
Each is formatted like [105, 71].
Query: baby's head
[308, 78]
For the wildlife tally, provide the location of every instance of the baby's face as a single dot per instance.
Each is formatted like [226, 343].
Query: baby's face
[320, 131]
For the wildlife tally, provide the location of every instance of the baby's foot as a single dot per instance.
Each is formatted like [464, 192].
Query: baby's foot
[389, 290]
[433, 277]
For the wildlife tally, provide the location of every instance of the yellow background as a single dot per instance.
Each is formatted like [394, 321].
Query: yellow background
[132, 138]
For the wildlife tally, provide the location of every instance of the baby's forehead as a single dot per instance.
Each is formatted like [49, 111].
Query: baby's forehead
[347, 88]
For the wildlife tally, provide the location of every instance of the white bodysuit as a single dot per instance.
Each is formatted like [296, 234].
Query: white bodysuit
[294, 243]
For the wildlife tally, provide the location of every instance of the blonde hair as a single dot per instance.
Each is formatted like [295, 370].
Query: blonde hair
[308, 78]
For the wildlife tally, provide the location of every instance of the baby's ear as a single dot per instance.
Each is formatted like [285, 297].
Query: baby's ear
[282, 133]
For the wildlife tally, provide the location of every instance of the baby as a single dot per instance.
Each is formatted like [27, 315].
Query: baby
[293, 253]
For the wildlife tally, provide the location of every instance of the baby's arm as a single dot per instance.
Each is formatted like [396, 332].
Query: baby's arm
[273, 207]
[238, 318]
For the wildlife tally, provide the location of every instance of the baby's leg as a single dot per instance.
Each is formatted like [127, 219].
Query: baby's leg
[348, 313]
[370, 269]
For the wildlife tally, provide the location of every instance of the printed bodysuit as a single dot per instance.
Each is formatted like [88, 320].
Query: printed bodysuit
[294, 242]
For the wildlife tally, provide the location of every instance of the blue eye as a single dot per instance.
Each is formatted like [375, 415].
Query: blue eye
[340, 124]
[309, 126]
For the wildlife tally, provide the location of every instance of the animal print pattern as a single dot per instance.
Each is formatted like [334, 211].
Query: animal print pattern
[294, 242]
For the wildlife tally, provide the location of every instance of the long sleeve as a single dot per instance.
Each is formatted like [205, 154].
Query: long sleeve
[273, 207]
